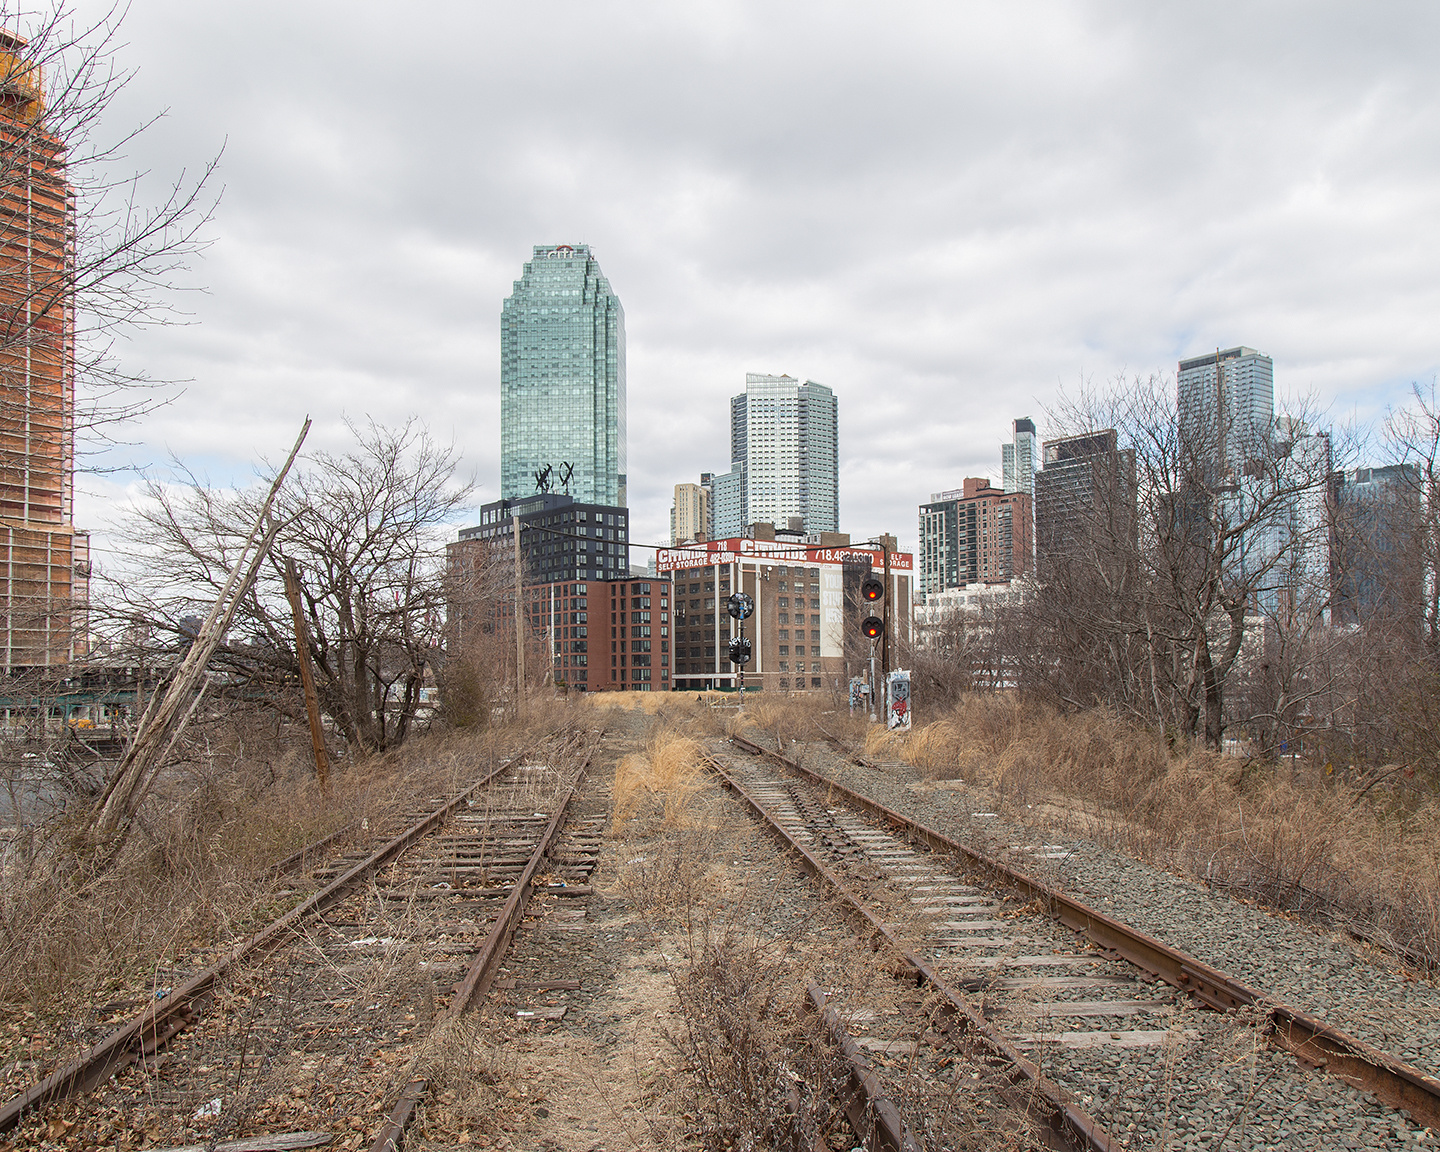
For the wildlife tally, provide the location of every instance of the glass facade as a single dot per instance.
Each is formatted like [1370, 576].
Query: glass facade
[562, 381]
[1018, 458]
[1227, 405]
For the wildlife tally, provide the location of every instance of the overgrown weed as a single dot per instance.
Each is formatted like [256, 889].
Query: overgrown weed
[780, 720]
[762, 1074]
[664, 777]
[199, 870]
[1295, 837]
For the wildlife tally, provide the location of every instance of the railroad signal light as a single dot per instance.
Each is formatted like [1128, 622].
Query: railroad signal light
[872, 627]
[872, 590]
[740, 605]
[740, 650]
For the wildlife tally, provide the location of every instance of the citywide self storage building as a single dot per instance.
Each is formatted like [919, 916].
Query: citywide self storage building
[807, 614]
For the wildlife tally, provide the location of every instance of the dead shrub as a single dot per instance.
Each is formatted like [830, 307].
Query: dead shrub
[762, 1074]
[671, 877]
[469, 1078]
[464, 702]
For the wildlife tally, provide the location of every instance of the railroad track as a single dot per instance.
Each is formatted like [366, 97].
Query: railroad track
[313, 1026]
[1072, 1006]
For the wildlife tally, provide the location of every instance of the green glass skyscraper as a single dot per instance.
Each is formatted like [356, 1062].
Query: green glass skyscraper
[562, 380]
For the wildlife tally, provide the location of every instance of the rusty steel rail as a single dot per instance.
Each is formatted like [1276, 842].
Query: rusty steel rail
[166, 1018]
[873, 1115]
[312, 850]
[1069, 1125]
[1311, 1040]
[481, 973]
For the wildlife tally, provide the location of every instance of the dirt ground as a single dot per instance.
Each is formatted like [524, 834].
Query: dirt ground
[574, 1068]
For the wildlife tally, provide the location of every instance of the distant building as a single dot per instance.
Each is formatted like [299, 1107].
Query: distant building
[1375, 547]
[976, 534]
[44, 560]
[640, 658]
[806, 608]
[1019, 458]
[1080, 476]
[729, 507]
[561, 539]
[969, 604]
[784, 452]
[594, 635]
[562, 381]
[1301, 537]
[690, 515]
[959, 625]
[1226, 403]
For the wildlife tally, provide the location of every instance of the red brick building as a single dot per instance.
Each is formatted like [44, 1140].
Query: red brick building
[605, 635]
[978, 534]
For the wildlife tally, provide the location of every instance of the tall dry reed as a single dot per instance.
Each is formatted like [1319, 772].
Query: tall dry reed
[660, 781]
[1292, 835]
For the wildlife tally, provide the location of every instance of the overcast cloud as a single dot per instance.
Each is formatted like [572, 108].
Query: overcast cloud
[945, 212]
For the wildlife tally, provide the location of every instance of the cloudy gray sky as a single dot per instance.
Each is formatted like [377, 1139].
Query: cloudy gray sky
[944, 211]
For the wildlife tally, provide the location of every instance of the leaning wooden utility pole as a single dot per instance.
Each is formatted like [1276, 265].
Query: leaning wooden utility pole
[519, 626]
[169, 712]
[307, 674]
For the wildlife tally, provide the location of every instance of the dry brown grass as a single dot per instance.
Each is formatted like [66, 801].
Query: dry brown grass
[881, 744]
[650, 703]
[664, 777]
[198, 873]
[1293, 836]
[785, 719]
[761, 1071]
[704, 713]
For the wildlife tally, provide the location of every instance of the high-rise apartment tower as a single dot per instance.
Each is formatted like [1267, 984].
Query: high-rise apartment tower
[44, 561]
[784, 452]
[1018, 458]
[974, 535]
[1227, 403]
[562, 381]
[1085, 502]
[690, 518]
[1376, 568]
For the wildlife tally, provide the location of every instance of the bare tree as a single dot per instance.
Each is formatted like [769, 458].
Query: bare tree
[480, 632]
[363, 528]
[99, 259]
[1166, 574]
[1412, 436]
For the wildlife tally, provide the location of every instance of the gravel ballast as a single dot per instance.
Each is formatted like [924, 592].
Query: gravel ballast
[1357, 988]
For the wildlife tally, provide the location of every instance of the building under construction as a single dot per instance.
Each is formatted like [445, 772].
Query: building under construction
[44, 561]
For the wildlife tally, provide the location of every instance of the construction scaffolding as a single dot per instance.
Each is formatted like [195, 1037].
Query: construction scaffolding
[44, 561]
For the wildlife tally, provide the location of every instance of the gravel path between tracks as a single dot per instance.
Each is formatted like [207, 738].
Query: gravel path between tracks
[600, 1067]
[1358, 988]
[571, 1067]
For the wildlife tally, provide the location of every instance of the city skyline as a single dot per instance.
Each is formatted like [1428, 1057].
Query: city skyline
[1010, 213]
